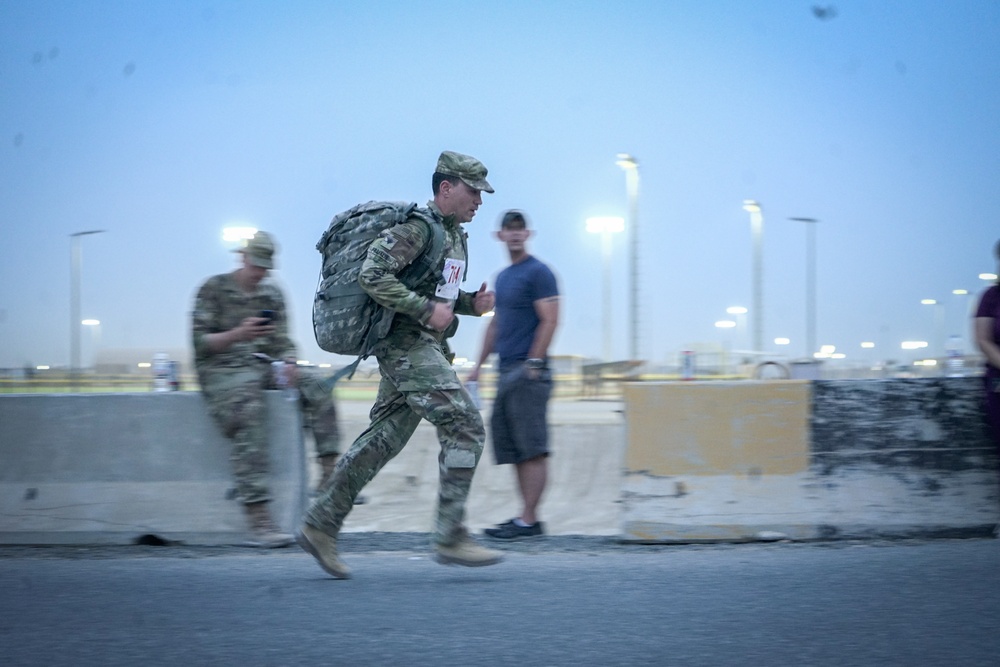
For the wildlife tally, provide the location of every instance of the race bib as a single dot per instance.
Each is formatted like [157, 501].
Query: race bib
[453, 271]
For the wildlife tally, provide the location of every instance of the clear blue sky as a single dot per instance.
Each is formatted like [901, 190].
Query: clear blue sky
[164, 122]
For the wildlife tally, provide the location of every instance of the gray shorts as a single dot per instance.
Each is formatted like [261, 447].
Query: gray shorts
[518, 425]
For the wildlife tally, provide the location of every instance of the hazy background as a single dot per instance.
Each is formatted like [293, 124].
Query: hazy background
[163, 122]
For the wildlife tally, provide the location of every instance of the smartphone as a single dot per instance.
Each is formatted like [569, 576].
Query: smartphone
[267, 315]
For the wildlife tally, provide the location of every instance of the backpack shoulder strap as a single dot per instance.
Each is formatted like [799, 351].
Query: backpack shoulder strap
[430, 259]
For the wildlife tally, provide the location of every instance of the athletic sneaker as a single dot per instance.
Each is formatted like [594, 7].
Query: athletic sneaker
[512, 531]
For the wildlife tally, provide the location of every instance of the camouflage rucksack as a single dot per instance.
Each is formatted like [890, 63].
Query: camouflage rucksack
[345, 319]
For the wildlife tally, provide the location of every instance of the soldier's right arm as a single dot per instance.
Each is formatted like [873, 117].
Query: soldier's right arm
[394, 250]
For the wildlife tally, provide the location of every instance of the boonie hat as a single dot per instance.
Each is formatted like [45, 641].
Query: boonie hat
[259, 250]
[466, 167]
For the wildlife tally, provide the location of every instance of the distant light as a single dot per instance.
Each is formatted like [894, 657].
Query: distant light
[626, 161]
[987, 276]
[821, 355]
[960, 292]
[867, 345]
[90, 323]
[913, 344]
[925, 362]
[302, 362]
[236, 234]
[144, 364]
[838, 355]
[725, 324]
[782, 341]
[736, 310]
[827, 349]
[929, 302]
[606, 224]
[41, 368]
[324, 366]
[751, 206]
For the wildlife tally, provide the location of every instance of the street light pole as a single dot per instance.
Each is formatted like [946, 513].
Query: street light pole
[938, 349]
[631, 167]
[606, 227]
[76, 261]
[95, 339]
[810, 224]
[757, 306]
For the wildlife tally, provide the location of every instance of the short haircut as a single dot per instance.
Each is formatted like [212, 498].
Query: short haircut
[513, 215]
[439, 178]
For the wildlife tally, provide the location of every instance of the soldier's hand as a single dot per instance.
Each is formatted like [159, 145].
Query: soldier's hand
[441, 317]
[291, 372]
[485, 300]
[252, 328]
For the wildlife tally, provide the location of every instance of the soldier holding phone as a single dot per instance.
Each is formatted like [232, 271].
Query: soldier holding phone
[240, 317]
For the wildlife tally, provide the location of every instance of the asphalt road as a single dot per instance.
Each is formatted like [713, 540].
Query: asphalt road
[558, 601]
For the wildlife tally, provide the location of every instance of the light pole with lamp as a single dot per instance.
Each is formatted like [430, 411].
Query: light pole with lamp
[810, 224]
[964, 314]
[725, 324]
[740, 313]
[631, 167]
[606, 226]
[238, 234]
[76, 262]
[938, 350]
[757, 305]
[95, 339]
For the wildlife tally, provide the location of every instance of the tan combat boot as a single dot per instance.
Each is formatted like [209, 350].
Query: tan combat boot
[264, 532]
[323, 548]
[466, 552]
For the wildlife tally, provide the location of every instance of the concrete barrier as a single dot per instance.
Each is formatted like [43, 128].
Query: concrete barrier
[582, 497]
[115, 468]
[727, 461]
[677, 462]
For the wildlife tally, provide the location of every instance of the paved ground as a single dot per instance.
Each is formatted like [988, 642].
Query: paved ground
[558, 601]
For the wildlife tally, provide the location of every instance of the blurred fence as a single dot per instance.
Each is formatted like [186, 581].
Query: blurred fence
[576, 382]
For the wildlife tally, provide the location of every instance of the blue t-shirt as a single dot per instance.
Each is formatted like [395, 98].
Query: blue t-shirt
[518, 287]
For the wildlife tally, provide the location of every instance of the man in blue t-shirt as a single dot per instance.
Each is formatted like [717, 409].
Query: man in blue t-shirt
[525, 320]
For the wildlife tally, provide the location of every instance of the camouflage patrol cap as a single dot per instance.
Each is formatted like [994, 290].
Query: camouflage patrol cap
[466, 167]
[259, 250]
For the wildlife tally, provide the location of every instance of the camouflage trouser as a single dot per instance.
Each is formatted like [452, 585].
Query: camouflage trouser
[319, 412]
[235, 400]
[418, 382]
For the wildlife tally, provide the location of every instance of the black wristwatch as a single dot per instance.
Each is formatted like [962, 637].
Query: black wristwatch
[535, 363]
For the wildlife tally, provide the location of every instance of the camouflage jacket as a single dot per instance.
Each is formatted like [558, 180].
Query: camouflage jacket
[395, 249]
[221, 305]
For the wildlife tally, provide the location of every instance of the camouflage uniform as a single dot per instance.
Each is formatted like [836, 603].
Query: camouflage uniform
[233, 381]
[418, 381]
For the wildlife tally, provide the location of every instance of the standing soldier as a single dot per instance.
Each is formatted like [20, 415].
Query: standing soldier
[237, 315]
[418, 381]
